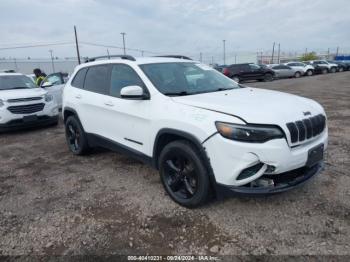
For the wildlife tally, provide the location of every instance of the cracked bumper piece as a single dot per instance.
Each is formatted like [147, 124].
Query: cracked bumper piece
[273, 184]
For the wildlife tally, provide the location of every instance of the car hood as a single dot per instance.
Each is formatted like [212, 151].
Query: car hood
[256, 106]
[21, 93]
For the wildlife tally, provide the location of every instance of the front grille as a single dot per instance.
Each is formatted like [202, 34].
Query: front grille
[306, 128]
[24, 99]
[26, 109]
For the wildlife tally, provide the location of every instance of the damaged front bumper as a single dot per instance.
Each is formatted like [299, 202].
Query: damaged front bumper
[272, 184]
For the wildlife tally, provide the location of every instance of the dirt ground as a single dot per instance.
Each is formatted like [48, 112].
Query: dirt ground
[54, 203]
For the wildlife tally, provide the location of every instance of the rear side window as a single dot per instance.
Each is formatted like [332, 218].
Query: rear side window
[97, 79]
[122, 76]
[79, 78]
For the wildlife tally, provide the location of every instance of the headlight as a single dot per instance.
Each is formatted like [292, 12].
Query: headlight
[249, 133]
[1, 103]
[48, 98]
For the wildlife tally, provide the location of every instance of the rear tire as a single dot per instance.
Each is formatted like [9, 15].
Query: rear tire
[183, 174]
[333, 70]
[75, 136]
[341, 69]
[268, 77]
[324, 71]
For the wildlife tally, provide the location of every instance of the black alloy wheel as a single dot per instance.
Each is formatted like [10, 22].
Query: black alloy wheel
[183, 174]
[75, 136]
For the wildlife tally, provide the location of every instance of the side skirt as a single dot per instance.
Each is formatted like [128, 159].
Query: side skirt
[100, 141]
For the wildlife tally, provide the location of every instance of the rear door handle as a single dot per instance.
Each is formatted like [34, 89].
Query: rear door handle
[78, 96]
[109, 104]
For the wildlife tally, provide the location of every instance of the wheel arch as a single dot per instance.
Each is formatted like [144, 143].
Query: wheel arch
[167, 135]
[67, 112]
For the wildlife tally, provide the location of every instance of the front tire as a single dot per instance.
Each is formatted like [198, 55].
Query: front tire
[268, 77]
[183, 174]
[75, 136]
[236, 79]
[333, 70]
[324, 71]
[297, 74]
[309, 72]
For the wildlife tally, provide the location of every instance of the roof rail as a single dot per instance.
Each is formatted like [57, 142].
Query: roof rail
[175, 56]
[126, 57]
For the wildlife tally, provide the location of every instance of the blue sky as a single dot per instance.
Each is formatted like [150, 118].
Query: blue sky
[169, 26]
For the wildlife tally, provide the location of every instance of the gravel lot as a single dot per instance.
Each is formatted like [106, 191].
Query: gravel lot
[54, 203]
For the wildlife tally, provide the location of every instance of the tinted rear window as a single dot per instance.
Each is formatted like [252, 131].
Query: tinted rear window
[79, 78]
[97, 79]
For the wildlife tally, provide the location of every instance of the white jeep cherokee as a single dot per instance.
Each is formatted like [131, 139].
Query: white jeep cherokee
[203, 132]
[23, 104]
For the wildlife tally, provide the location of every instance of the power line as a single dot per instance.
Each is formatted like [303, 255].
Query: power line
[35, 45]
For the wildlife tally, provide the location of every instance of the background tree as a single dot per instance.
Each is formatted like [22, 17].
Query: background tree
[309, 56]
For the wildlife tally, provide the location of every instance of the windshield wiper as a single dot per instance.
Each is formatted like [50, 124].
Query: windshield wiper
[181, 93]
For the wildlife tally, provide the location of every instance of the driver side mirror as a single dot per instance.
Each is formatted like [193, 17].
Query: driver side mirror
[133, 92]
[47, 84]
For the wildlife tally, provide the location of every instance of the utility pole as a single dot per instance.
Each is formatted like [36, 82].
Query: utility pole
[224, 42]
[16, 67]
[123, 34]
[305, 51]
[108, 54]
[212, 60]
[328, 53]
[337, 53]
[200, 57]
[76, 44]
[53, 66]
[273, 52]
[142, 52]
[261, 57]
[279, 52]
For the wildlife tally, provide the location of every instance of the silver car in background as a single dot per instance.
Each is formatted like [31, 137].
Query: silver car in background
[283, 71]
[307, 70]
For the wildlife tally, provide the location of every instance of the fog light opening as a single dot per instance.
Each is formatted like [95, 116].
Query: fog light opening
[250, 171]
[270, 169]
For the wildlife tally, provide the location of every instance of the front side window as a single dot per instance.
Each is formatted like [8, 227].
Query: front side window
[97, 79]
[254, 67]
[54, 79]
[186, 78]
[122, 76]
[8, 82]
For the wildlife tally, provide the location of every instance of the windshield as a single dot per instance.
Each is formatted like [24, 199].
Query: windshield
[8, 82]
[186, 78]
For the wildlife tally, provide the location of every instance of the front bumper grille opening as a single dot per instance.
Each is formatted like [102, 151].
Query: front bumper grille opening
[250, 171]
[26, 109]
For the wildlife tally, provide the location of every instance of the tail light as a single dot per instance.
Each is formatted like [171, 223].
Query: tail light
[226, 72]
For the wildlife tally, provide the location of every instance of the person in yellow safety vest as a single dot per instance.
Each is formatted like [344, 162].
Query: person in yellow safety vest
[39, 76]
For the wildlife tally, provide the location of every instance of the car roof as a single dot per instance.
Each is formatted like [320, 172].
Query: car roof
[138, 61]
[11, 74]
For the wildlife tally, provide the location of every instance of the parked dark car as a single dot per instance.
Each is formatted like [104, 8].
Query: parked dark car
[220, 68]
[342, 66]
[242, 72]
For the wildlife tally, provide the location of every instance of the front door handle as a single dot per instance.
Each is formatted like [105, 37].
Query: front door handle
[109, 104]
[78, 96]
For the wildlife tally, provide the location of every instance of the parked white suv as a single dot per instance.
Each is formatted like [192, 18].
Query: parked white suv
[305, 69]
[204, 132]
[23, 104]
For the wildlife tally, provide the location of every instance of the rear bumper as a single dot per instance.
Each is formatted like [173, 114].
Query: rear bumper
[19, 124]
[282, 182]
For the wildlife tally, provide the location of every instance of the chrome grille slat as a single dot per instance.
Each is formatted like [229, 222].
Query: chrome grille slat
[24, 99]
[307, 128]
